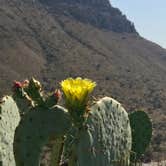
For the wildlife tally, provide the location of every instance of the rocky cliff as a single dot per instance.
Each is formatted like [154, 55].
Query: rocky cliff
[98, 13]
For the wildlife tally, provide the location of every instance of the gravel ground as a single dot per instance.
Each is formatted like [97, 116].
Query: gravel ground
[162, 163]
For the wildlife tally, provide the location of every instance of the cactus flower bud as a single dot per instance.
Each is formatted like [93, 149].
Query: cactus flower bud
[36, 84]
[17, 85]
[58, 94]
[25, 83]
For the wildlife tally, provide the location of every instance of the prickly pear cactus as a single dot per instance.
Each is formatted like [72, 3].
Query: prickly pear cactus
[9, 119]
[34, 131]
[106, 137]
[23, 102]
[141, 126]
[29, 94]
[51, 152]
[56, 151]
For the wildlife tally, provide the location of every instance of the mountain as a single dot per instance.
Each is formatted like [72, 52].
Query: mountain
[55, 39]
[98, 13]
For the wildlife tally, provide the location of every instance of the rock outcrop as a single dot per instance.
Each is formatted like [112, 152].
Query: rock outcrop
[98, 13]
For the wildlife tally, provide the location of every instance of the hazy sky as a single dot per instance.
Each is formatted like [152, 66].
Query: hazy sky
[149, 17]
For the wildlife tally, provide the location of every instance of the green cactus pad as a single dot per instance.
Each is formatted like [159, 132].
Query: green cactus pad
[52, 151]
[9, 119]
[34, 131]
[106, 138]
[56, 151]
[141, 126]
[34, 91]
[24, 103]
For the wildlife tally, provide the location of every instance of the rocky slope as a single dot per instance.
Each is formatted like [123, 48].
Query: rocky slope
[56, 39]
[98, 13]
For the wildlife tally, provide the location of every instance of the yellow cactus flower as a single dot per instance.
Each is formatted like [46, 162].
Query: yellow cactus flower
[76, 92]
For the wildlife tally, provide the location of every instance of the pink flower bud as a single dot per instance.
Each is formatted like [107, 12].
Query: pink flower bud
[25, 83]
[58, 94]
[17, 85]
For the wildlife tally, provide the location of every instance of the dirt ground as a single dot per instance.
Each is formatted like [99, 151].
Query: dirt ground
[162, 163]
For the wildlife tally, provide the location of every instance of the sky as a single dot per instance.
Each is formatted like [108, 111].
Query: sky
[149, 17]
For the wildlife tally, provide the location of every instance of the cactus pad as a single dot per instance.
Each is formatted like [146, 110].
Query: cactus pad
[34, 131]
[106, 138]
[51, 152]
[141, 126]
[9, 119]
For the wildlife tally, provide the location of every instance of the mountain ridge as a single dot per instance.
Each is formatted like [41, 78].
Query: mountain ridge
[98, 13]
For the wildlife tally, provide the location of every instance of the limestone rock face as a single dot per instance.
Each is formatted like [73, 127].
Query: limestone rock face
[84, 2]
[98, 13]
